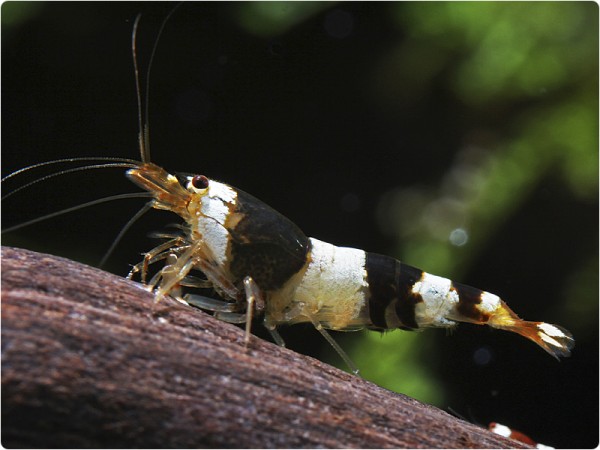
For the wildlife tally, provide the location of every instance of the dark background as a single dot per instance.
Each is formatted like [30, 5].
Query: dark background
[322, 118]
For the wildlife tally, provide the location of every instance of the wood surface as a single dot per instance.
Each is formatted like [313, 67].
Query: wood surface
[89, 360]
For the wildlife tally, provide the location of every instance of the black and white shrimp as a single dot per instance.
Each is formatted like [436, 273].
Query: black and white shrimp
[262, 265]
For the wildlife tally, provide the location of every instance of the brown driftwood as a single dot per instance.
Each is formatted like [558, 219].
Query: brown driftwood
[88, 360]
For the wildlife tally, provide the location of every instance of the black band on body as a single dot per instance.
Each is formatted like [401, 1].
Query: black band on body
[405, 308]
[391, 281]
[265, 244]
[468, 299]
[381, 276]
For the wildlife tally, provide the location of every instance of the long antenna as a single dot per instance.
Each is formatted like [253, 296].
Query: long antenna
[78, 207]
[143, 112]
[144, 153]
[124, 165]
[147, 207]
[65, 160]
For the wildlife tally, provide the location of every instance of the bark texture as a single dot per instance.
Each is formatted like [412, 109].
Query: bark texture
[88, 360]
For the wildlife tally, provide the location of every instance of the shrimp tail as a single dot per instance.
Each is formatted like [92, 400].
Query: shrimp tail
[556, 340]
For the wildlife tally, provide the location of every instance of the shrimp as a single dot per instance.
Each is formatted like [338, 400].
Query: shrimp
[261, 264]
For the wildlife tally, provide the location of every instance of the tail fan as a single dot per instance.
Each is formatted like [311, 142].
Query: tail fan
[554, 339]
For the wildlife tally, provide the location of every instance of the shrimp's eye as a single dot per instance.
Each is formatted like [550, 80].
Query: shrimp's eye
[200, 182]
